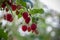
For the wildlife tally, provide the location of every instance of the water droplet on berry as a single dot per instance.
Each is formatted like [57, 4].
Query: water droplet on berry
[17, 12]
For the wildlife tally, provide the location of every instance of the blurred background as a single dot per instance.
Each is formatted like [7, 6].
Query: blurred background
[48, 23]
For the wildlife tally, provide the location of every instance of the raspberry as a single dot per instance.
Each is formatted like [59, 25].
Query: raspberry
[17, 12]
[24, 28]
[3, 5]
[33, 26]
[25, 15]
[29, 29]
[27, 20]
[13, 7]
[8, 17]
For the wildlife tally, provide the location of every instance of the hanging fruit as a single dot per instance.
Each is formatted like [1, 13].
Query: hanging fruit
[8, 17]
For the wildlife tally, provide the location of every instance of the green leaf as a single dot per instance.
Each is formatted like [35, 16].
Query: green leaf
[19, 15]
[21, 2]
[35, 19]
[34, 11]
[21, 11]
[2, 34]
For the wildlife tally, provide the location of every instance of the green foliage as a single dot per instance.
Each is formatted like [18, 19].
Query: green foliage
[34, 20]
[1, 2]
[21, 2]
[20, 13]
[43, 25]
[2, 34]
[34, 11]
[42, 19]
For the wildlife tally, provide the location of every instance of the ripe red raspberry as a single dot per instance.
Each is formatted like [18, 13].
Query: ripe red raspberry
[8, 17]
[17, 12]
[25, 15]
[24, 28]
[13, 7]
[3, 5]
[29, 29]
[33, 26]
[27, 20]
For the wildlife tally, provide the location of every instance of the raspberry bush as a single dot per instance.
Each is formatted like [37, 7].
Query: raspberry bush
[26, 18]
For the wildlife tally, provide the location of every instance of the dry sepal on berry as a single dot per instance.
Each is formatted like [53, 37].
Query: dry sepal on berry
[36, 32]
[7, 9]
[8, 17]
[24, 28]
[17, 12]
[19, 7]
